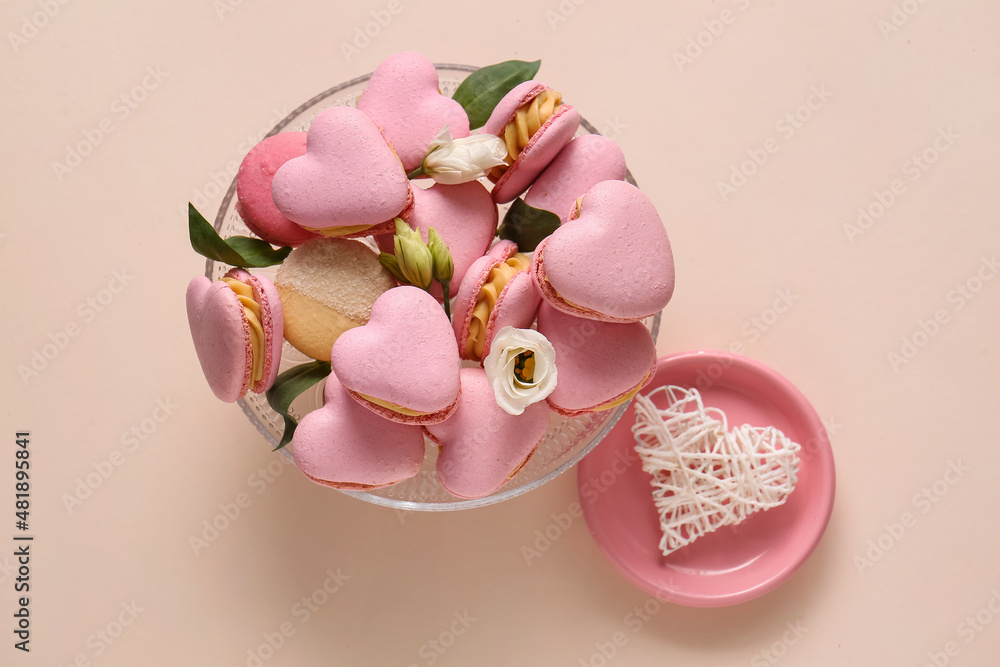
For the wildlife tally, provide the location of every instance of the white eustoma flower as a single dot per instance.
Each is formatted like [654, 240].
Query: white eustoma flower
[508, 366]
[453, 161]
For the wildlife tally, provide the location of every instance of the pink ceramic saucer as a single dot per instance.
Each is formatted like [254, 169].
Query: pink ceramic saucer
[736, 563]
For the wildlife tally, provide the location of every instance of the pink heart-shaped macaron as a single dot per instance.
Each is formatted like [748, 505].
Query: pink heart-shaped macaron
[611, 263]
[348, 178]
[346, 446]
[253, 189]
[482, 446]
[581, 164]
[405, 357]
[404, 99]
[599, 363]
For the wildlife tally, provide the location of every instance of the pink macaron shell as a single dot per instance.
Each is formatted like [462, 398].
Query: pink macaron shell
[482, 446]
[543, 147]
[516, 306]
[405, 354]
[468, 291]
[272, 320]
[253, 189]
[581, 164]
[345, 446]
[221, 337]
[613, 262]
[465, 217]
[598, 362]
[508, 105]
[349, 175]
[403, 99]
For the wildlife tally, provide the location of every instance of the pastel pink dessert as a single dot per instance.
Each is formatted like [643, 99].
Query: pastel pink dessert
[253, 189]
[497, 292]
[346, 446]
[582, 164]
[482, 446]
[236, 324]
[612, 263]
[404, 99]
[465, 217]
[601, 364]
[403, 364]
[349, 182]
[535, 125]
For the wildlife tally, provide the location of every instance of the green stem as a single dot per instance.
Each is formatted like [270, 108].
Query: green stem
[445, 285]
[417, 173]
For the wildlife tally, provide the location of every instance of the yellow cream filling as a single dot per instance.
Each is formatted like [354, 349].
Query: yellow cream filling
[498, 277]
[527, 119]
[252, 311]
[338, 231]
[627, 397]
[392, 406]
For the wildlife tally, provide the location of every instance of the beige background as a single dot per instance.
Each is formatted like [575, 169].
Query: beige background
[205, 82]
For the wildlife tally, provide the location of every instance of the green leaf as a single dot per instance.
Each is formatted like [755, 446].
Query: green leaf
[241, 251]
[526, 225]
[288, 386]
[484, 88]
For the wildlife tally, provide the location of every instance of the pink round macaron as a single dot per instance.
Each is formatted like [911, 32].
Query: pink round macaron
[612, 263]
[404, 99]
[403, 364]
[465, 217]
[253, 189]
[345, 446]
[543, 145]
[222, 327]
[582, 164]
[515, 306]
[600, 363]
[349, 182]
[482, 446]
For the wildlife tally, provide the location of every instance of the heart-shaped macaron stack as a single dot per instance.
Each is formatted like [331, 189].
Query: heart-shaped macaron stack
[535, 125]
[349, 182]
[404, 100]
[346, 446]
[403, 364]
[553, 330]
[236, 324]
[613, 262]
